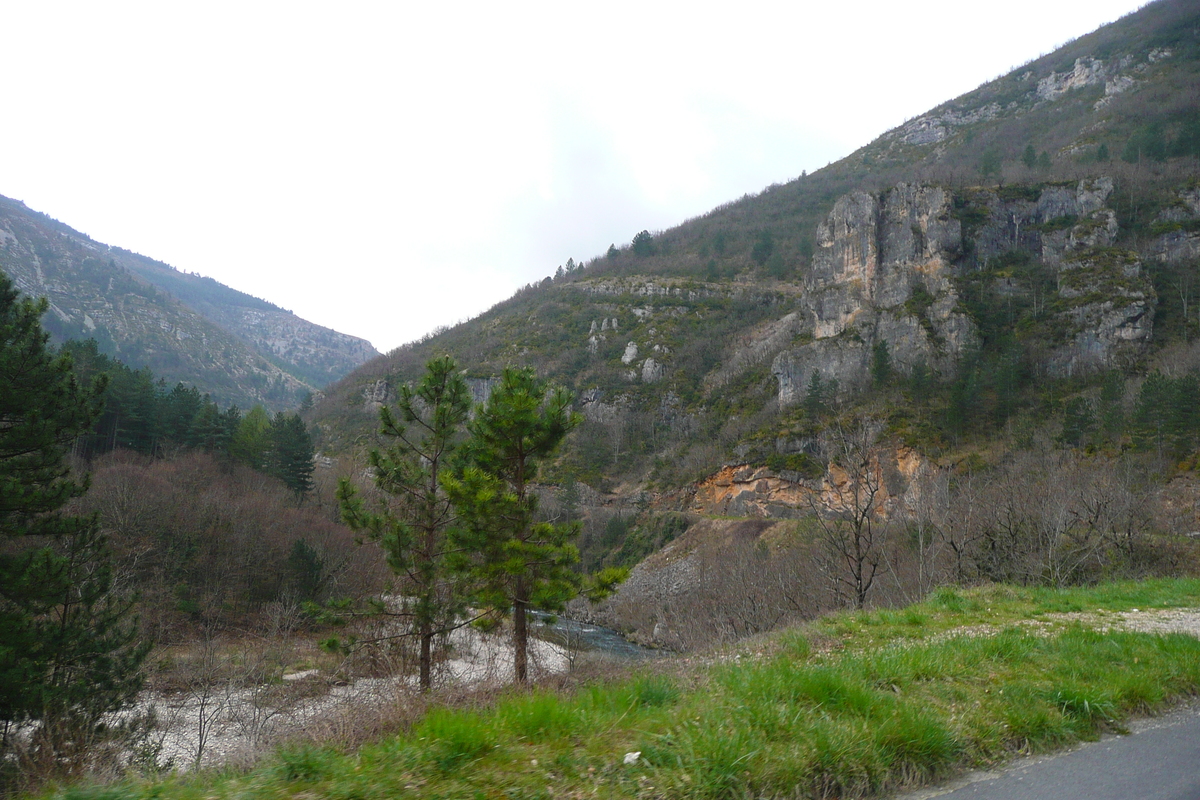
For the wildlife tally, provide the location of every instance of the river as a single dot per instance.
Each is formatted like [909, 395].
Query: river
[569, 633]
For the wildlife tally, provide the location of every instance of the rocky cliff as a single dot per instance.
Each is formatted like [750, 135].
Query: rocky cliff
[880, 275]
[887, 267]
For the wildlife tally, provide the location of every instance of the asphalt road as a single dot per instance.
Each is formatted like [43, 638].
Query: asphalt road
[1158, 760]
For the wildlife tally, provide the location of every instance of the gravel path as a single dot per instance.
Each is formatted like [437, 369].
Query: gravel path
[1162, 620]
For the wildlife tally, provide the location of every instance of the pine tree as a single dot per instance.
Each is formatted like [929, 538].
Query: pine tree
[411, 521]
[179, 410]
[213, 431]
[519, 563]
[1112, 409]
[1078, 421]
[814, 397]
[291, 458]
[67, 652]
[881, 363]
[1154, 414]
[1029, 157]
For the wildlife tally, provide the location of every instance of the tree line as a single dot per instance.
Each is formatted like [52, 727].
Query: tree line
[69, 653]
[71, 649]
[146, 416]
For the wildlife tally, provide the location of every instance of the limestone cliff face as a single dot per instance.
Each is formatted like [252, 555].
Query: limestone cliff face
[1179, 226]
[884, 271]
[1104, 306]
[1117, 74]
[1047, 225]
[1109, 310]
[318, 354]
[880, 273]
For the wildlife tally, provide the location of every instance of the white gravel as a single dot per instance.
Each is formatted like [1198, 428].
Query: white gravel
[223, 723]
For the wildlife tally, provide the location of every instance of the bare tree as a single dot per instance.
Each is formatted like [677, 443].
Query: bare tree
[929, 517]
[854, 525]
[1050, 517]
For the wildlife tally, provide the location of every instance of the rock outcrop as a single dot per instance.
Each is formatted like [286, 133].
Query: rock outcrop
[1179, 228]
[744, 490]
[1109, 310]
[881, 273]
[884, 274]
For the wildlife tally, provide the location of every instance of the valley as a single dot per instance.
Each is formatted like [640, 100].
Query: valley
[893, 468]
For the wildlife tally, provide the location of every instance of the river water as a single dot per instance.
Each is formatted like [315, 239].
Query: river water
[569, 633]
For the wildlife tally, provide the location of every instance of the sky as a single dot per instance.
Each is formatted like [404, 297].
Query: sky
[386, 168]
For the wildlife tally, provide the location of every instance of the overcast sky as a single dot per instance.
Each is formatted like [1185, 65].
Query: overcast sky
[383, 168]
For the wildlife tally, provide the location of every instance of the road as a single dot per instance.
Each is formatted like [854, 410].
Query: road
[1158, 760]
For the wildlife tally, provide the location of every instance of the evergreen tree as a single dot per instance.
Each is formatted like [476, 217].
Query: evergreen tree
[305, 568]
[1029, 157]
[764, 246]
[643, 244]
[213, 431]
[570, 499]
[1112, 409]
[989, 163]
[518, 562]
[179, 410]
[814, 397]
[131, 403]
[66, 655]
[411, 521]
[1078, 422]
[1167, 414]
[963, 406]
[252, 441]
[920, 380]
[881, 363]
[291, 458]
[1005, 373]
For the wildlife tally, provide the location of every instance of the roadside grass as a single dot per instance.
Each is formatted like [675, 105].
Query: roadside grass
[851, 705]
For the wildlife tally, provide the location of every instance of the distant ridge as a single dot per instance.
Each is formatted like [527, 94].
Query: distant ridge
[238, 348]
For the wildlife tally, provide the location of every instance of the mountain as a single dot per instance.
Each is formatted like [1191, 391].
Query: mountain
[1039, 230]
[184, 327]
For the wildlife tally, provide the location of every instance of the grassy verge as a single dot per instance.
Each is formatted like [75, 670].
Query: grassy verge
[851, 705]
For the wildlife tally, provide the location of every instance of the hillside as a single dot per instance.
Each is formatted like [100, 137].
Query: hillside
[962, 273]
[184, 327]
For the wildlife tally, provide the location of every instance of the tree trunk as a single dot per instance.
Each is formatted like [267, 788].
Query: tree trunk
[520, 643]
[426, 657]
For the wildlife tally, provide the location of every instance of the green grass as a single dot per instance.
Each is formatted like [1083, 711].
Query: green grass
[851, 705]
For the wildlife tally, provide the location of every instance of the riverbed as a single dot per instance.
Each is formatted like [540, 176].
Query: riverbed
[222, 723]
